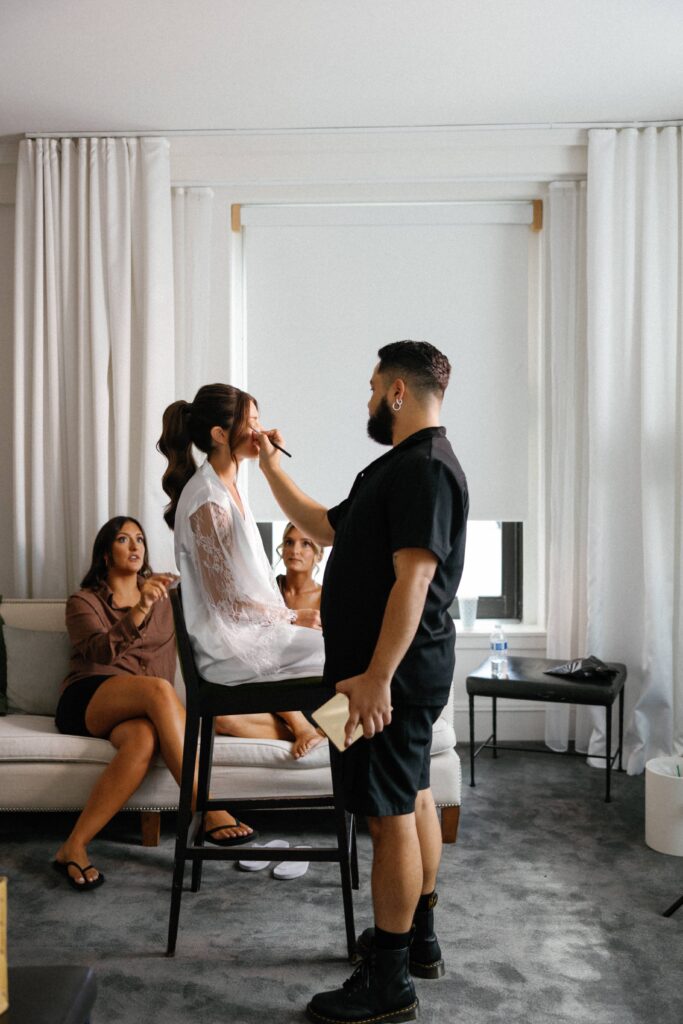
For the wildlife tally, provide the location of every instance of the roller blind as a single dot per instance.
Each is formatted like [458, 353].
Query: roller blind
[325, 286]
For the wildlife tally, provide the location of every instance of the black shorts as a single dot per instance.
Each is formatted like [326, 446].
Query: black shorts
[73, 703]
[382, 776]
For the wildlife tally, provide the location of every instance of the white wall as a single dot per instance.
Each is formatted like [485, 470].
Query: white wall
[336, 167]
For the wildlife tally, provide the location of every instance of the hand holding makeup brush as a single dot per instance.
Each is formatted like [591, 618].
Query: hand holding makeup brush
[274, 439]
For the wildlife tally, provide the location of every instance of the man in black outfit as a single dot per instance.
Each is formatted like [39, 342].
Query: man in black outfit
[396, 561]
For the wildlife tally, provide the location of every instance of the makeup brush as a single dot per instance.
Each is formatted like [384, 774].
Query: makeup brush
[274, 444]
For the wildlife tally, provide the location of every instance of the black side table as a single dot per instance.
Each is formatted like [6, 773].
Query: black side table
[50, 995]
[525, 680]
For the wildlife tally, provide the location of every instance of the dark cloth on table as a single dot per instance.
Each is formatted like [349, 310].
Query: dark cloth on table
[73, 704]
[106, 642]
[382, 776]
[414, 496]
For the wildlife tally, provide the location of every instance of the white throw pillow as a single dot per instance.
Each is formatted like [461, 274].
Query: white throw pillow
[37, 664]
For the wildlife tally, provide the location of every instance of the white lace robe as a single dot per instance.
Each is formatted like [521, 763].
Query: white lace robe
[240, 628]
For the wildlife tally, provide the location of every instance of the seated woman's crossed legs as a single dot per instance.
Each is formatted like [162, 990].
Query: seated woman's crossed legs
[140, 715]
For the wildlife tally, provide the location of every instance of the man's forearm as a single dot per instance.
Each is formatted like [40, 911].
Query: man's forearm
[307, 515]
[401, 619]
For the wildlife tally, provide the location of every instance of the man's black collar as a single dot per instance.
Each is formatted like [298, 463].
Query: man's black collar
[407, 442]
[420, 435]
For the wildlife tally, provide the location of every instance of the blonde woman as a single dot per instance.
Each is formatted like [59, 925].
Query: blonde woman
[301, 557]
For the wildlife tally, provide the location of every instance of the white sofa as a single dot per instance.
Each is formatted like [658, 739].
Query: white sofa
[43, 770]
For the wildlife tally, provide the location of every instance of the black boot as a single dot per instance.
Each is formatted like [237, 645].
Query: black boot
[379, 989]
[425, 953]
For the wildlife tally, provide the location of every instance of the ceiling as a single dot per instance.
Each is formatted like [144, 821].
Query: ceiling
[202, 65]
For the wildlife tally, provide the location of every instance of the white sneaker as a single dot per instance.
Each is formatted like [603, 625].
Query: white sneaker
[259, 865]
[292, 868]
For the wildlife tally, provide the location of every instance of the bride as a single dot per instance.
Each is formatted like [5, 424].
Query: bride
[240, 628]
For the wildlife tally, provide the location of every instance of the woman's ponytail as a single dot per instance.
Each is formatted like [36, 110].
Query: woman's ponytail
[190, 423]
[176, 444]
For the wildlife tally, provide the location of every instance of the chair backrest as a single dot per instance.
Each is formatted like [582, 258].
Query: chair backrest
[188, 667]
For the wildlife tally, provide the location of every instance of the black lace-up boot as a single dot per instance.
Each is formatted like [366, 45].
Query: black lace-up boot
[425, 953]
[380, 989]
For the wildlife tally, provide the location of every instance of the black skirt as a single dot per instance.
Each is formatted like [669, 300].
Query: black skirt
[73, 704]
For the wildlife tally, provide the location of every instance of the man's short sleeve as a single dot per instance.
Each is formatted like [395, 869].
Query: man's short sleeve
[425, 507]
[337, 513]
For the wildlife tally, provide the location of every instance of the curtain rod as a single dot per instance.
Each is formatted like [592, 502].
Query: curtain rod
[360, 129]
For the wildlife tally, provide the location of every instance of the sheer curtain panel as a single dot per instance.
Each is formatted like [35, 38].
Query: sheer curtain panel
[192, 217]
[635, 414]
[616, 487]
[568, 465]
[93, 345]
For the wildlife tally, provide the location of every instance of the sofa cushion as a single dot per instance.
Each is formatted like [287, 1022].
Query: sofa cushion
[37, 662]
[35, 738]
[3, 668]
[240, 753]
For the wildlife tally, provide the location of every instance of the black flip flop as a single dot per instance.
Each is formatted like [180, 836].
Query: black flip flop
[87, 884]
[232, 840]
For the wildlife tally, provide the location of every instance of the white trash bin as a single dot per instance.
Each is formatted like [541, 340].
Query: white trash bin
[664, 805]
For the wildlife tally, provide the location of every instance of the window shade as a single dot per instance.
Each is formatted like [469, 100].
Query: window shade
[326, 286]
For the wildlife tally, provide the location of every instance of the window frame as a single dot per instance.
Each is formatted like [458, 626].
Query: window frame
[510, 604]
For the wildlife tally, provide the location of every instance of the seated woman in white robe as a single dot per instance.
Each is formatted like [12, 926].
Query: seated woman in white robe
[240, 628]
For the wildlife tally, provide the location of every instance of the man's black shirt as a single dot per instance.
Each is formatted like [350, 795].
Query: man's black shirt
[414, 496]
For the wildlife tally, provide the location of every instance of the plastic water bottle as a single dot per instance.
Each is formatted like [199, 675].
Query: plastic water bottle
[499, 652]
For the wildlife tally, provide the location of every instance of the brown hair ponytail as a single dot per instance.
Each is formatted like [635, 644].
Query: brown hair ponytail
[176, 444]
[190, 423]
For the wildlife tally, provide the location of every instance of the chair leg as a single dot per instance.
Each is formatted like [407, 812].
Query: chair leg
[183, 825]
[351, 826]
[343, 851]
[203, 783]
[673, 908]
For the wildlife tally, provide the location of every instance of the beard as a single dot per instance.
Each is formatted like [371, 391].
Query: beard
[381, 424]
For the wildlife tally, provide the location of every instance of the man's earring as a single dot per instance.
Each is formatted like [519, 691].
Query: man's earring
[398, 402]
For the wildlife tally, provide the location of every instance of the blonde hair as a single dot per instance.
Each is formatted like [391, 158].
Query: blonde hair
[317, 548]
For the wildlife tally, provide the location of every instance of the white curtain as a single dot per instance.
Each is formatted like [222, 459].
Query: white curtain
[633, 558]
[568, 460]
[192, 218]
[94, 364]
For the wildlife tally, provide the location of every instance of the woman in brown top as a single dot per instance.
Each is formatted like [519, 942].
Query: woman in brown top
[120, 687]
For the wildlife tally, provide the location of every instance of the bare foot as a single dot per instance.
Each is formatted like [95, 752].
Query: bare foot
[214, 819]
[79, 854]
[304, 742]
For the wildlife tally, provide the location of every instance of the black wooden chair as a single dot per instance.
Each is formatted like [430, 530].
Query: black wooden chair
[205, 700]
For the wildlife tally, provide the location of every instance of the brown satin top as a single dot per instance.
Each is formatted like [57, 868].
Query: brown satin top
[106, 642]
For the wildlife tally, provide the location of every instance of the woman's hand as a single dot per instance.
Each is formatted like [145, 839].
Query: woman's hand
[309, 617]
[153, 589]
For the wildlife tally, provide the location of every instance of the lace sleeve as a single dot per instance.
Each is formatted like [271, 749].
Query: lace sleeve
[241, 626]
[211, 527]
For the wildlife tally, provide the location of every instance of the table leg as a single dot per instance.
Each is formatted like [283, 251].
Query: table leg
[471, 740]
[673, 908]
[608, 750]
[621, 727]
[494, 715]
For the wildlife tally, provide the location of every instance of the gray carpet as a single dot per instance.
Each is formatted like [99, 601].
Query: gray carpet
[550, 912]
